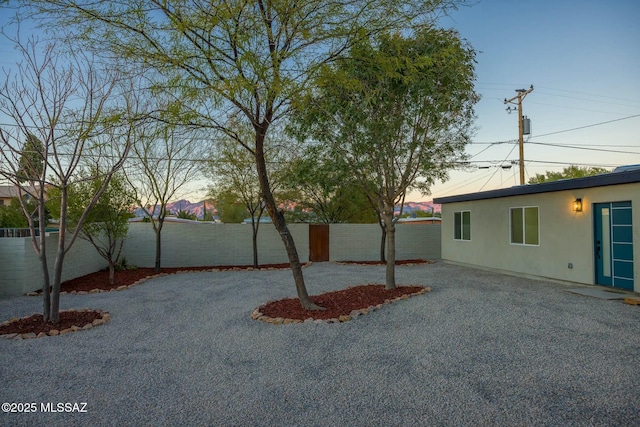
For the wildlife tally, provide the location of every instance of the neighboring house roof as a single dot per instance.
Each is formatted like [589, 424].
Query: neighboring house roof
[602, 180]
[10, 191]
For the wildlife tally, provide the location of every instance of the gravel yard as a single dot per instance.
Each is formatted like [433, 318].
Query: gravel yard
[480, 349]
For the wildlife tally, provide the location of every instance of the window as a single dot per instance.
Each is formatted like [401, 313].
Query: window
[462, 225]
[524, 226]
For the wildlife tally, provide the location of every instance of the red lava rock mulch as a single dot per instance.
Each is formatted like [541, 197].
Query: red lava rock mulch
[340, 306]
[71, 320]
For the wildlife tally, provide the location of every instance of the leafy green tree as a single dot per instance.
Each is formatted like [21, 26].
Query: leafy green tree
[229, 206]
[31, 163]
[398, 110]
[12, 216]
[417, 214]
[107, 223]
[323, 189]
[236, 64]
[232, 169]
[207, 214]
[569, 172]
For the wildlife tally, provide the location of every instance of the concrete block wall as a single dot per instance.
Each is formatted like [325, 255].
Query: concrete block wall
[206, 244]
[203, 244]
[12, 253]
[21, 271]
[354, 242]
[361, 242]
[418, 241]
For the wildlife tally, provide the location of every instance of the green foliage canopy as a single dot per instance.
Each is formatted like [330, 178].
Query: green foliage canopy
[12, 216]
[572, 171]
[107, 223]
[397, 111]
[31, 165]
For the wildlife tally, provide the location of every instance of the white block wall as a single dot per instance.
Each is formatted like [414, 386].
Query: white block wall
[203, 244]
[206, 244]
[20, 269]
[361, 242]
[12, 254]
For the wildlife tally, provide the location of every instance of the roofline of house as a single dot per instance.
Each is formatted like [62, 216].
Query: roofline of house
[602, 180]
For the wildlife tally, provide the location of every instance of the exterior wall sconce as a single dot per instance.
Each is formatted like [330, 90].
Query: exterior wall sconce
[577, 205]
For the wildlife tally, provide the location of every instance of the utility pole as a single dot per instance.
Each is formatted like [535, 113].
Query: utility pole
[522, 93]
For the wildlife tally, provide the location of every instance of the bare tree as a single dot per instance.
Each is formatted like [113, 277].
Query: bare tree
[67, 104]
[164, 160]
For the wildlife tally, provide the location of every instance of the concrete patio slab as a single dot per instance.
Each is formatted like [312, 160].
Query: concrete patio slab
[599, 293]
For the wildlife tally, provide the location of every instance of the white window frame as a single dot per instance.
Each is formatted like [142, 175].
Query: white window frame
[524, 226]
[461, 239]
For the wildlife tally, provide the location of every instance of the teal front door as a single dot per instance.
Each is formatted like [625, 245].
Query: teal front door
[613, 245]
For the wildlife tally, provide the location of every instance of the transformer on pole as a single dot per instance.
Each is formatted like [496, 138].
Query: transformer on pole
[522, 93]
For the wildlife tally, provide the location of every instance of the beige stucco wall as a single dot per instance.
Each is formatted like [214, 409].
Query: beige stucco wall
[565, 236]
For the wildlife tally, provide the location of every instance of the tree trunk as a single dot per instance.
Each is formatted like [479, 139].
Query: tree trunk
[279, 222]
[42, 255]
[57, 279]
[255, 240]
[383, 240]
[391, 250]
[112, 273]
[158, 230]
[57, 267]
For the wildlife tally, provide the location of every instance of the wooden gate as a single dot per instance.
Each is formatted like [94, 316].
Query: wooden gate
[318, 242]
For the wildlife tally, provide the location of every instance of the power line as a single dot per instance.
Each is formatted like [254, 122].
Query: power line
[588, 126]
[602, 145]
[552, 162]
[583, 148]
[590, 94]
[496, 171]
[574, 108]
[449, 190]
[590, 100]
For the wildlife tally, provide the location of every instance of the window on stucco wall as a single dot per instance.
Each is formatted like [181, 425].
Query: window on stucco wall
[524, 225]
[462, 225]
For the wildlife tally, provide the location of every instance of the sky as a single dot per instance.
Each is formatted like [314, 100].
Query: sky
[583, 59]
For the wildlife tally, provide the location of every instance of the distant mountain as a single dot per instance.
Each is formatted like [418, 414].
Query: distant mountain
[197, 208]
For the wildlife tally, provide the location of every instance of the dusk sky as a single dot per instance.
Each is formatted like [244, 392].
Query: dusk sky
[583, 59]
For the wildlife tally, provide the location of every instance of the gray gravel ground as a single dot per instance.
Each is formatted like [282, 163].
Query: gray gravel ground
[481, 349]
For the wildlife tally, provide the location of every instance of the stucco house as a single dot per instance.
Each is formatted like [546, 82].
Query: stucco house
[583, 230]
[7, 192]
